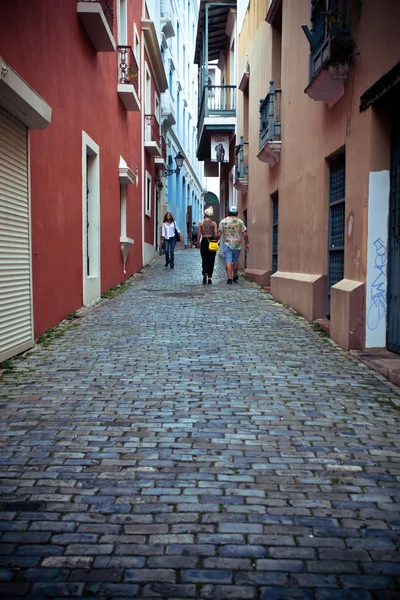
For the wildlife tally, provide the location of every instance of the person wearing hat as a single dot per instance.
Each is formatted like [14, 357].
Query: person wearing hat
[232, 228]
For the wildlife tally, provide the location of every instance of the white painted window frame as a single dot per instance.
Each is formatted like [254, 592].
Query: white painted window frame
[91, 283]
[157, 107]
[122, 16]
[148, 194]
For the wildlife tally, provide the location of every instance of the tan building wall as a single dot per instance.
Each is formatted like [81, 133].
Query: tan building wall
[311, 133]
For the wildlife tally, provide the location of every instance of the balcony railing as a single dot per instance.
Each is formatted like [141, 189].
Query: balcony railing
[218, 100]
[329, 36]
[241, 169]
[270, 124]
[152, 129]
[108, 10]
[128, 67]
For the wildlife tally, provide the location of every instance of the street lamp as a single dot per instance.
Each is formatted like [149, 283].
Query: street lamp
[179, 158]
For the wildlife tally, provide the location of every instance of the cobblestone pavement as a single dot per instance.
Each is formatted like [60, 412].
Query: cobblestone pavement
[199, 442]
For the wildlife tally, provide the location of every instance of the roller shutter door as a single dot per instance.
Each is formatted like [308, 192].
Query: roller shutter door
[16, 321]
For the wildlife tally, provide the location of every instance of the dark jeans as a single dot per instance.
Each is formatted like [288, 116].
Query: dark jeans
[169, 251]
[207, 258]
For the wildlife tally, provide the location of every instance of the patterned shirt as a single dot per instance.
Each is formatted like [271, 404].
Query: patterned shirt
[232, 228]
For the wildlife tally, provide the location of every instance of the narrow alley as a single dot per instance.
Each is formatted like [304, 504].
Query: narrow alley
[199, 442]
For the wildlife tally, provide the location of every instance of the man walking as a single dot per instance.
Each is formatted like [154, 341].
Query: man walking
[232, 229]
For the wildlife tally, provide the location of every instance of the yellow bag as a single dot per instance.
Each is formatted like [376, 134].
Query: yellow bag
[213, 246]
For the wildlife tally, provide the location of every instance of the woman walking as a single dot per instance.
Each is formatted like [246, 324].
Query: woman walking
[169, 228]
[207, 232]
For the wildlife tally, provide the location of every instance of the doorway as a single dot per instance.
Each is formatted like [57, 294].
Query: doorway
[393, 308]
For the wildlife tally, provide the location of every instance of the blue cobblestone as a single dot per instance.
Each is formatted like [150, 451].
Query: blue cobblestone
[265, 469]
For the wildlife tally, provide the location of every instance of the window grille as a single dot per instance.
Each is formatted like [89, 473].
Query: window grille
[337, 192]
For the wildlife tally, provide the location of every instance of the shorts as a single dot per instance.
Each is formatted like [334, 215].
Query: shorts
[231, 256]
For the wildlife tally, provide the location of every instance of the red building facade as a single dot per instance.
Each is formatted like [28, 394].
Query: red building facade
[71, 87]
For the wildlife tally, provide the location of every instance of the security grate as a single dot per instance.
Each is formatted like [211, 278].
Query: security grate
[274, 233]
[337, 192]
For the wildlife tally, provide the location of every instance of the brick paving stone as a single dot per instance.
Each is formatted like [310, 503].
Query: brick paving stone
[278, 593]
[266, 468]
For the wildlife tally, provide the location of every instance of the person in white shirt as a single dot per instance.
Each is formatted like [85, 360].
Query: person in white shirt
[168, 238]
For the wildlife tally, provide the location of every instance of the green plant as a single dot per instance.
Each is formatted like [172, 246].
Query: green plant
[8, 366]
[342, 47]
[319, 329]
[115, 290]
[49, 336]
[73, 315]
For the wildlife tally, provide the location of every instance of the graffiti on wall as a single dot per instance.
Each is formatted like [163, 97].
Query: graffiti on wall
[377, 258]
[377, 292]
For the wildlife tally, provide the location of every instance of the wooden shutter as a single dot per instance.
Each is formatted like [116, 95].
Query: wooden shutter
[16, 322]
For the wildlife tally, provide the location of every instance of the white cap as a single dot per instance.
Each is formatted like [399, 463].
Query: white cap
[233, 210]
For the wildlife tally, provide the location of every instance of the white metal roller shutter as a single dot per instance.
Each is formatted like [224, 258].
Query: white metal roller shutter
[16, 323]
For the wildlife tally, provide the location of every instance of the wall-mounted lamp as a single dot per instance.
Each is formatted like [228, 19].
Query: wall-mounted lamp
[179, 162]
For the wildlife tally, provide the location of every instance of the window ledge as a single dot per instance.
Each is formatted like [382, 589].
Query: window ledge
[126, 176]
[152, 148]
[127, 93]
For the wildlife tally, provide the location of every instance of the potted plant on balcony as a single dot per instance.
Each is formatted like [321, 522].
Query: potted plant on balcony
[331, 49]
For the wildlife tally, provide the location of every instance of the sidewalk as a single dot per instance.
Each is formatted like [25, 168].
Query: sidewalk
[198, 442]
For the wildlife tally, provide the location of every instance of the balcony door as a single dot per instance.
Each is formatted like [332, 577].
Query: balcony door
[122, 22]
[148, 107]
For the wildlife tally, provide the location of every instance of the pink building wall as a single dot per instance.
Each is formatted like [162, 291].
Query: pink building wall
[310, 134]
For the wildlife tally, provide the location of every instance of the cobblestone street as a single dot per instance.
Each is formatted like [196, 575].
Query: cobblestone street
[198, 442]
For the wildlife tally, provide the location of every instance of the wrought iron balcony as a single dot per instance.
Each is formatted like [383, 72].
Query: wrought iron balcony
[128, 79]
[270, 126]
[241, 168]
[152, 138]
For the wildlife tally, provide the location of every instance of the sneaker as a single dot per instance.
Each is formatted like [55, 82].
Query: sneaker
[204, 279]
[172, 266]
[229, 282]
[166, 264]
[209, 281]
[235, 279]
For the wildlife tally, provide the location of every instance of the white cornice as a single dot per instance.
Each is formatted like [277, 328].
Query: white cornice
[153, 49]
